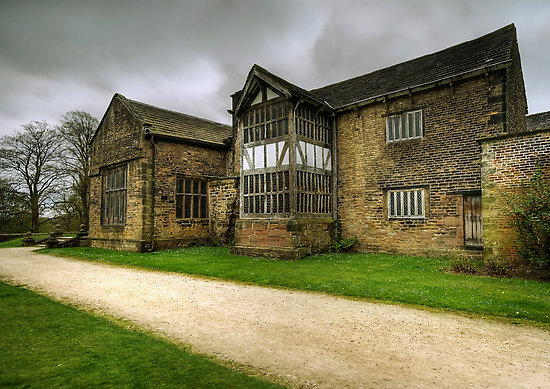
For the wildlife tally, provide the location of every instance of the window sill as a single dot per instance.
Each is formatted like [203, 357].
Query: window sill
[191, 222]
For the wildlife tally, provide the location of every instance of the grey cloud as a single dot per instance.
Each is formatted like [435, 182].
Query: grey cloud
[191, 55]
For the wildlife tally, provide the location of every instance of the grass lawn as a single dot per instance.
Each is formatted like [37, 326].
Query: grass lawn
[382, 277]
[46, 344]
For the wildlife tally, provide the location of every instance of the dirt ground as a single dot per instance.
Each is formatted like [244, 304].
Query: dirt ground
[305, 339]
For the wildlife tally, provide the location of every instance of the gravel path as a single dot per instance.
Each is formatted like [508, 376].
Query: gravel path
[307, 339]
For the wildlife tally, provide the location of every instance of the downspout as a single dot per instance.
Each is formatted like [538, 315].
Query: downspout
[153, 191]
[152, 194]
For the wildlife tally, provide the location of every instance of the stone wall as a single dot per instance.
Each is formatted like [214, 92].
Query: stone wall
[224, 209]
[119, 141]
[282, 238]
[508, 161]
[445, 162]
[174, 160]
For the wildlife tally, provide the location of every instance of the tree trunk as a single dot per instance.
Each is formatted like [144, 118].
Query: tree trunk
[35, 220]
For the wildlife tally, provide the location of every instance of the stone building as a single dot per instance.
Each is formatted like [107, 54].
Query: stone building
[152, 171]
[393, 158]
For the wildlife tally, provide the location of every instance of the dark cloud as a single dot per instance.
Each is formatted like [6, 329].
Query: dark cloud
[190, 56]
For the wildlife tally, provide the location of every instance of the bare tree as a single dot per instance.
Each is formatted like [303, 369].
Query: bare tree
[12, 209]
[77, 129]
[31, 159]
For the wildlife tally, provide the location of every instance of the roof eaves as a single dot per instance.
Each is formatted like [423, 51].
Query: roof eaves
[198, 142]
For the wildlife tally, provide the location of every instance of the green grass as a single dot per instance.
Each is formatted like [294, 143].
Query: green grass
[381, 277]
[18, 242]
[46, 344]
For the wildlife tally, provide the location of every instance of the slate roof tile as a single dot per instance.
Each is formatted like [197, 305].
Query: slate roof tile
[538, 121]
[176, 125]
[491, 49]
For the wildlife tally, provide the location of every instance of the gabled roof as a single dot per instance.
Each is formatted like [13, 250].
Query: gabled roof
[538, 121]
[175, 125]
[283, 86]
[489, 50]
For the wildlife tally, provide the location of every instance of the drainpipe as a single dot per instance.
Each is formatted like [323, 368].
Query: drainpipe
[153, 168]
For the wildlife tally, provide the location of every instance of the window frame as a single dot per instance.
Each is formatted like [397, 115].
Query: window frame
[401, 209]
[197, 195]
[114, 203]
[404, 119]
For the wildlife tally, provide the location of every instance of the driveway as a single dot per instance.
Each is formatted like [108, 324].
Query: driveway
[304, 339]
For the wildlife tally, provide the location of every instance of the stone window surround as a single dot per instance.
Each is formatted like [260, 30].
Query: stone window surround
[114, 196]
[413, 122]
[396, 199]
[193, 192]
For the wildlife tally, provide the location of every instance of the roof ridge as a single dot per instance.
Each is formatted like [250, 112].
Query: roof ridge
[176, 112]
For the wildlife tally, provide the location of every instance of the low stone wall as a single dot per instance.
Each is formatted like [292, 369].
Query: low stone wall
[6, 237]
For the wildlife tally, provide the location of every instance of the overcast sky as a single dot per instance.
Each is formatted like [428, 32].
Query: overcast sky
[189, 56]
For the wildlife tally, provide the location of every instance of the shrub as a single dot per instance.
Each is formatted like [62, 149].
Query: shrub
[344, 245]
[495, 267]
[530, 212]
[462, 265]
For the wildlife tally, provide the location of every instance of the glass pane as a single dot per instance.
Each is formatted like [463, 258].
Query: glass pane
[245, 204]
[398, 204]
[418, 123]
[203, 210]
[196, 200]
[287, 184]
[406, 203]
[187, 186]
[203, 187]
[403, 126]
[410, 124]
[179, 206]
[390, 128]
[187, 207]
[195, 187]
[287, 202]
[419, 204]
[179, 186]
[274, 198]
[246, 139]
[245, 185]
[412, 205]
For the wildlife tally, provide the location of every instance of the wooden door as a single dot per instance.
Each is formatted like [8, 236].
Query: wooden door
[473, 229]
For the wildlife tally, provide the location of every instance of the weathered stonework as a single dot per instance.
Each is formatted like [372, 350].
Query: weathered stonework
[282, 238]
[174, 160]
[153, 166]
[307, 159]
[123, 146]
[224, 208]
[508, 162]
[446, 162]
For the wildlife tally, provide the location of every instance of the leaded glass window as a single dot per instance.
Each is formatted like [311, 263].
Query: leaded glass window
[407, 203]
[191, 199]
[404, 126]
[113, 204]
